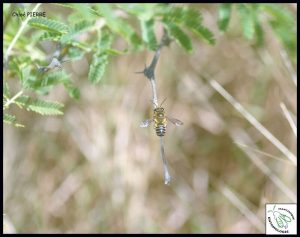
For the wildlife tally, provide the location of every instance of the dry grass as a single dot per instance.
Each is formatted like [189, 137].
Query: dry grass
[94, 170]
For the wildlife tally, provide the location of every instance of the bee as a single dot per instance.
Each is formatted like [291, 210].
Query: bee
[160, 121]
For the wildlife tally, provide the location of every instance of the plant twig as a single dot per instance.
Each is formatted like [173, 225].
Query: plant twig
[289, 118]
[253, 121]
[288, 65]
[264, 153]
[240, 136]
[12, 99]
[252, 217]
[24, 23]
[149, 73]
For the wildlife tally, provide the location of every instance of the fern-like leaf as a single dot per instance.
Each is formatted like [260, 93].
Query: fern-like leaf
[49, 25]
[73, 91]
[120, 26]
[97, 67]
[148, 33]
[105, 40]
[259, 34]
[204, 33]
[179, 35]
[185, 16]
[45, 107]
[6, 92]
[22, 101]
[50, 36]
[224, 16]
[192, 19]
[144, 11]
[82, 8]
[11, 119]
[75, 30]
[247, 21]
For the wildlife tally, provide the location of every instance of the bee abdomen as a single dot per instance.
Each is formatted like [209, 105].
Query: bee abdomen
[160, 130]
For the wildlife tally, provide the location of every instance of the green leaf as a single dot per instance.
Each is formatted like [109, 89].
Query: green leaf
[75, 53]
[83, 9]
[144, 11]
[184, 15]
[279, 13]
[50, 36]
[120, 26]
[22, 101]
[192, 19]
[148, 33]
[115, 52]
[259, 34]
[284, 25]
[204, 33]
[7, 118]
[54, 78]
[105, 40]
[45, 107]
[247, 21]
[180, 36]
[49, 25]
[11, 119]
[224, 16]
[6, 92]
[46, 82]
[126, 31]
[97, 68]
[77, 28]
[73, 91]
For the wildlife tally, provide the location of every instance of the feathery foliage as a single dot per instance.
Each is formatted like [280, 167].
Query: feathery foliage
[136, 24]
[252, 16]
[45, 107]
[100, 58]
[49, 25]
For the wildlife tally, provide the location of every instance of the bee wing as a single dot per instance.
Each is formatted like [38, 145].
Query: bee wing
[174, 121]
[146, 123]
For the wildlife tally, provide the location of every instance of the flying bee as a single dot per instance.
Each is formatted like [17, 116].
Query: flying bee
[160, 124]
[160, 121]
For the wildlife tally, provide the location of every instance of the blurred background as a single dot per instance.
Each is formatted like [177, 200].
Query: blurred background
[94, 170]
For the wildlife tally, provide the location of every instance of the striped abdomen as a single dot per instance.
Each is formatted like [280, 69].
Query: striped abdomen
[160, 130]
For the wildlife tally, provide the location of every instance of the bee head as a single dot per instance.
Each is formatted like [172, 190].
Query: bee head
[159, 110]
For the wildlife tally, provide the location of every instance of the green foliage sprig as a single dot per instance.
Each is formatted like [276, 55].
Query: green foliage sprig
[252, 16]
[100, 24]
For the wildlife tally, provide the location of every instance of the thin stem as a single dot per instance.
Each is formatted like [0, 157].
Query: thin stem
[264, 153]
[154, 93]
[149, 73]
[167, 175]
[254, 121]
[12, 99]
[251, 216]
[288, 65]
[24, 23]
[238, 136]
[289, 118]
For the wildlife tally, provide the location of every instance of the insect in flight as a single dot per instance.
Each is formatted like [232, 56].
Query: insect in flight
[160, 125]
[160, 121]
